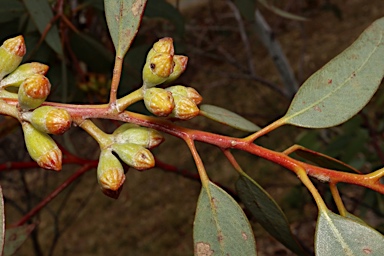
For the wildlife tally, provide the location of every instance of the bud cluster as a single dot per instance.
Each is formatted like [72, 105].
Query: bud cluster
[33, 89]
[176, 101]
[131, 143]
[163, 67]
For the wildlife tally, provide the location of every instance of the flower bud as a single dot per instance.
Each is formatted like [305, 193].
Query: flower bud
[49, 119]
[11, 54]
[134, 155]
[188, 92]
[157, 69]
[23, 72]
[110, 172]
[4, 94]
[180, 64]
[146, 137]
[33, 91]
[185, 108]
[42, 148]
[164, 45]
[122, 128]
[158, 101]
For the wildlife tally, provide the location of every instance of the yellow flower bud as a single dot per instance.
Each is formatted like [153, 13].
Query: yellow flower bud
[146, 137]
[42, 148]
[185, 108]
[11, 54]
[180, 64]
[134, 155]
[23, 72]
[157, 69]
[158, 101]
[33, 91]
[49, 119]
[164, 45]
[188, 92]
[110, 172]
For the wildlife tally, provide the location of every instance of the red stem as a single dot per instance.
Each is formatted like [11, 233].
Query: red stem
[224, 142]
[54, 193]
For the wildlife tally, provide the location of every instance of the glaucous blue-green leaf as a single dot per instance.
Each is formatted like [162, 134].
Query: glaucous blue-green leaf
[163, 9]
[325, 161]
[227, 117]
[336, 235]
[220, 226]
[123, 19]
[2, 221]
[343, 86]
[15, 237]
[267, 212]
[10, 9]
[41, 14]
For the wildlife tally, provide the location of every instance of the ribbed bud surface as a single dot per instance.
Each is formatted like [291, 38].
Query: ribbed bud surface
[33, 91]
[158, 101]
[42, 148]
[11, 55]
[110, 172]
[134, 155]
[49, 119]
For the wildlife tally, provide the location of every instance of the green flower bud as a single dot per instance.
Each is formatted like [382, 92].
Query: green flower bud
[158, 101]
[11, 54]
[185, 108]
[157, 69]
[134, 155]
[146, 137]
[188, 92]
[33, 91]
[42, 148]
[122, 128]
[110, 172]
[23, 72]
[4, 94]
[180, 64]
[49, 119]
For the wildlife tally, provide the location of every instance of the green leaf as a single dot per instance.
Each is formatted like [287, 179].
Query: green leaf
[342, 87]
[10, 9]
[325, 161]
[15, 237]
[2, 221]
[123, 19]
[227, 117]
[41, 13]
[220, 226]
[267, 212]
[163, 9]
[336, 235]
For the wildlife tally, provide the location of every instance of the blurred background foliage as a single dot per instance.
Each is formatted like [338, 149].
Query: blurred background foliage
[149, 218]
